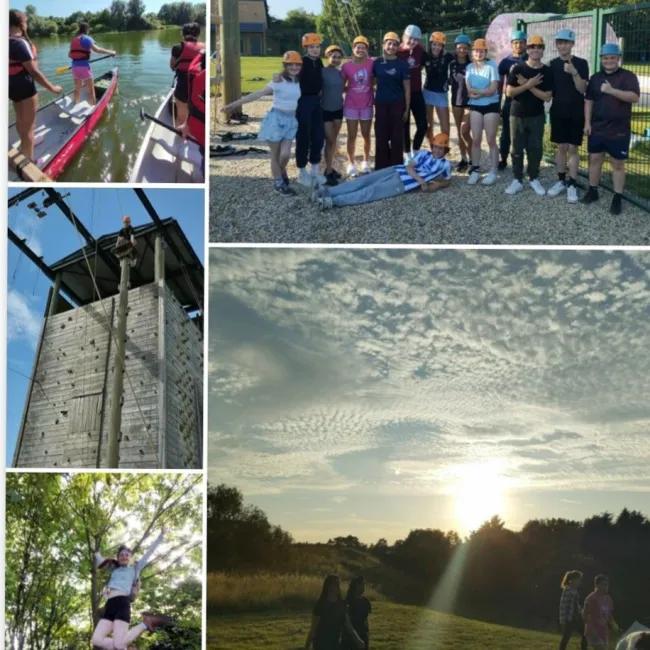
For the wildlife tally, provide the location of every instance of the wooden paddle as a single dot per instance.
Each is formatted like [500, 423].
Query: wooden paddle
[62, 69]
[169, 127]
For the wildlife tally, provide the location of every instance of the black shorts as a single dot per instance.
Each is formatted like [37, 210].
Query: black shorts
[182, 90]
[21, 86]
[567, 128]
[330, 116]
[617, 148]
[118, 608]
[485, 110]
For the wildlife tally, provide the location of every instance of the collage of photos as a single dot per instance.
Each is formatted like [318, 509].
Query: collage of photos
[369, 369]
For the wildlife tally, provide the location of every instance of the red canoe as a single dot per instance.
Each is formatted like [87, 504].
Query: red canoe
[62, 127]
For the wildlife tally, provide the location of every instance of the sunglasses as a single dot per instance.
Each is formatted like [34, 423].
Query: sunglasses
[535, 47]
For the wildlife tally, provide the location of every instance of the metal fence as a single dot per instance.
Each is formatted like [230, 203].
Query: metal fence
[628, 25]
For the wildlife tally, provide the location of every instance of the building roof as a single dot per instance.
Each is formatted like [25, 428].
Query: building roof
[252, 11]
[183, 273]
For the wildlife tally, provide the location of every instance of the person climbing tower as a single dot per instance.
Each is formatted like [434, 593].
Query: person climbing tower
[126, 246]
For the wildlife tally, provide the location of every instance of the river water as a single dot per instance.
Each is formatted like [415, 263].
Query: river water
[144, 79]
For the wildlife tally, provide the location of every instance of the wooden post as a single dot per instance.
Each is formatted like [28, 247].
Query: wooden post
[229, 43]
[55, 295]
[118, 372]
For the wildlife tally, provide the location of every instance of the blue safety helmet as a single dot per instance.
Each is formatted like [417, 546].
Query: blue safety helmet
[462, 39]
[565, 35]
[609, 49]
[518, 35]
[413, 31]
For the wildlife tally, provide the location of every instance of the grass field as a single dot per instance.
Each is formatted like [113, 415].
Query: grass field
[393, 627]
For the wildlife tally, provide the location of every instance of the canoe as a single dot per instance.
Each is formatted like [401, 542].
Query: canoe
[62, 127]
[164, 156]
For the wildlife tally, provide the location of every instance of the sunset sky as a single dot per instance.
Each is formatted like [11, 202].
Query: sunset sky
[369, 392]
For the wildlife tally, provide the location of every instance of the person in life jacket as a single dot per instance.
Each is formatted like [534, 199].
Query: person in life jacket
[195, 124]
[182, 56]
[80, 48]
[120, 590]
[23, 73]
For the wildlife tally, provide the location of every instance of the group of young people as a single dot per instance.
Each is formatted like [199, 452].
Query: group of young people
[338, 623]
[187, 61]
[311, 99]
[593, 621]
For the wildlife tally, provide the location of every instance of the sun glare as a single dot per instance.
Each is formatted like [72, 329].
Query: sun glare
[479, 491]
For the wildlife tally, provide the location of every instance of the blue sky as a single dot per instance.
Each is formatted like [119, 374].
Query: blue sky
[56, 8]
[54, 237]
[371, 392]
[279, 8]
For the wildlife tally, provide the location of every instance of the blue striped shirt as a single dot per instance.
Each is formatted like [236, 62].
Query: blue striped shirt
[427, 168]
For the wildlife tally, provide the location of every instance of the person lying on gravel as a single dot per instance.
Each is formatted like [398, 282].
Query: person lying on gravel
[428, 170]
[279, 125]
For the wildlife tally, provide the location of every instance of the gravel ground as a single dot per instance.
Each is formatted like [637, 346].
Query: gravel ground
[245, 208]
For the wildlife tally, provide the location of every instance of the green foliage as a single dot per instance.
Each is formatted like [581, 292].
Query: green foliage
[179, 13]
[56, 523]
[299, 19]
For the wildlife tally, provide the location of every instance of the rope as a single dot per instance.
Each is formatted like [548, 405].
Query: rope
[34, 380]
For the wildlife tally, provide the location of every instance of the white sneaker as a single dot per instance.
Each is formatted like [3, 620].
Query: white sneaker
[351, 170]
[473, 178]
[489, 179]
[571, 194]
[538, 187]
[317, 177]
[557, 189]
[365, 167]
[515, 187]
[304, 177]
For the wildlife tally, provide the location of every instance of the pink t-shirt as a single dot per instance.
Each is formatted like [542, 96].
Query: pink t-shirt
[358, 77]
[598, 610]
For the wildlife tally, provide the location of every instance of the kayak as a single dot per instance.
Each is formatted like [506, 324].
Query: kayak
[62, 127]
[164, 156]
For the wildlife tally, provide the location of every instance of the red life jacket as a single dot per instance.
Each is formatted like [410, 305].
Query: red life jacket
[16, 67]
[196, 103]
[189, 50]
[77, 51]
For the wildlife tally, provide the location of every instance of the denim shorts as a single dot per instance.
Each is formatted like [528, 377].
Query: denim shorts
[431, 98]
[277, 126]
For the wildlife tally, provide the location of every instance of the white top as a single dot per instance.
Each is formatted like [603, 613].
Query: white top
[285, 95]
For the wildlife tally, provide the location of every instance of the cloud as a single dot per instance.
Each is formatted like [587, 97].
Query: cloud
[23, 322]
[377, 369]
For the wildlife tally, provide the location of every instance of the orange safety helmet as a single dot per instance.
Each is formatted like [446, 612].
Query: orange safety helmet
[438, 37]
[390, 36]
[361, 39]
[311, 39]
[292, 57]
[333, 48]
[441, 140]
[536, 40]
[480, 44]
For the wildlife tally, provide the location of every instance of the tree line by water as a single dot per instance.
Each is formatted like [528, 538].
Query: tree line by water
[121, 16]
[504, 576]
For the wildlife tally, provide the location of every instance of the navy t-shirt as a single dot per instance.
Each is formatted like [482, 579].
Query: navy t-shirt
[19, 51]
[459, 95]
[391, 75]
[506, 64]
[527, 104]
[565, 96]
[437, 68]
[610, 116]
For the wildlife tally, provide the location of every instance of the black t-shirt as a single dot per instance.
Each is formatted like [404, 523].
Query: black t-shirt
[526, 104]
[126, 232]
[311, 76]
[437, 68]
[610, 116]
[459, 94]
[20, 51]
[330, 625]
[358, 611]
[565, 96]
